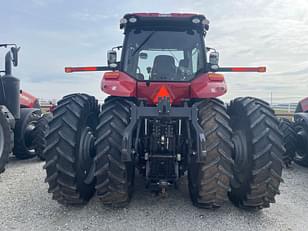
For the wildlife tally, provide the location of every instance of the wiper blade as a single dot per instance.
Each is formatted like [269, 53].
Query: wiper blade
[144, 41]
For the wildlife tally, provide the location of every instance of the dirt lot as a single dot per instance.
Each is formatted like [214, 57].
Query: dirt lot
[26, 205]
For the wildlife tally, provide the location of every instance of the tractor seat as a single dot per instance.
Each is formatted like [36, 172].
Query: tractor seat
[163, 68]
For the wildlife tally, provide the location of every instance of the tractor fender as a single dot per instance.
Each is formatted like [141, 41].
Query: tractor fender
[302, 116]
[208, 85]
[28, 101]
[117, 83]
[302, 106]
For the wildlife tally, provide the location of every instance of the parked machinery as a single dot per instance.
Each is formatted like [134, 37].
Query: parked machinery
[19, 115]
[164, 119]
[296, 134]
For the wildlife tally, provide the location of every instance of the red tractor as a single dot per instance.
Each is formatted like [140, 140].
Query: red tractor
[20, 116]
[296, 134]
[163, 118]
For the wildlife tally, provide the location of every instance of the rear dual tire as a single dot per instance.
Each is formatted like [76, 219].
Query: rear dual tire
[289, 140]
[70, 149]
[39, 135]
[114, 178]
[6, 136]
[209, 181]
[301, 156]
[258, 153]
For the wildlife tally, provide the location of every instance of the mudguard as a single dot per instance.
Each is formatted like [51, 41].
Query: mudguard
[302, 116]
[28, 101]
[302, 106]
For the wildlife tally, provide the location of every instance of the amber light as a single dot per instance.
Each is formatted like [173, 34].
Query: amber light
[216, 77]
[112, 75]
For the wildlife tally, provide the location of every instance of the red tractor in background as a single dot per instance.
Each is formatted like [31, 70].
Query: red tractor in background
[20, 115]
[163, 118]
[296, 134]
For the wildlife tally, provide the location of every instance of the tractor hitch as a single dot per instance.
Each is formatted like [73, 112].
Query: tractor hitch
[185, 112]
[164, 105]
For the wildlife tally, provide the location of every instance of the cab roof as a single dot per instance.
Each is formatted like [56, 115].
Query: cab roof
[183, 20]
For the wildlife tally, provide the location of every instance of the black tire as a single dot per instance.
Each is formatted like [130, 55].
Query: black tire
[301, 156]
[23, 148]
[209, 182]
[6, 136]
[114, 178]
[70, 149]
[40, 133]
[289, 140]
[258, 159]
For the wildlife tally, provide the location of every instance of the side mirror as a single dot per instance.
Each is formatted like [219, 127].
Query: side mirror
[214, 58]
[112, 58]
[14, 51]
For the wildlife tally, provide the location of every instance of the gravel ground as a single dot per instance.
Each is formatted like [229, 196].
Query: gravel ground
[26, 205]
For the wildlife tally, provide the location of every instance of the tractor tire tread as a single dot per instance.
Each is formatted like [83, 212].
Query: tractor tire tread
[60, 163]
[113, 185]
[267, 154]
[7, 122]
[215, 172]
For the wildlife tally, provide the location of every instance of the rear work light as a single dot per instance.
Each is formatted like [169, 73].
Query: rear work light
[196, 20]
[132, 20]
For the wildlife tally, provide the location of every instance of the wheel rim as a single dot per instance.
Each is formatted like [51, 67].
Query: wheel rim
[241, 150]
[1, 140]
[28, 137]
[302, 137]
[86, 152]
[240, 157]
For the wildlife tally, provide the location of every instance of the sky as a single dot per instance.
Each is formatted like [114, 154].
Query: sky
[58, 33]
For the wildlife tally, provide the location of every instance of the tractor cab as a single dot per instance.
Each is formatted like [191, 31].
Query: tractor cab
[163, 47]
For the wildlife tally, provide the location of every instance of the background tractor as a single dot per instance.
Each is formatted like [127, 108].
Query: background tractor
[296, 134]
[163, 118]
[19, 115]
